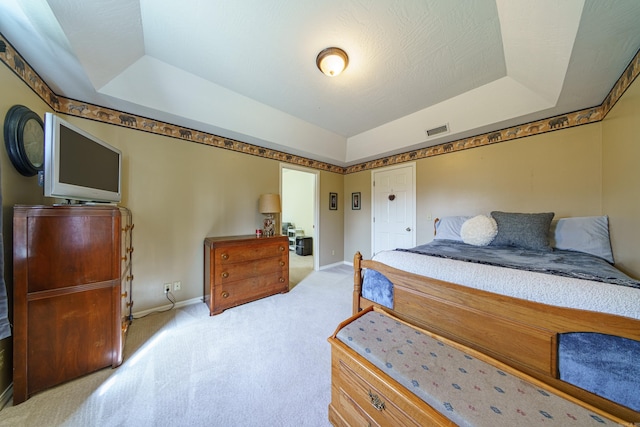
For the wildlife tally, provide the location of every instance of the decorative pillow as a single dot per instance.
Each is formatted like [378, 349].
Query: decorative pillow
[523, 230]
[589, 234]
[479, 230]
[448, 228]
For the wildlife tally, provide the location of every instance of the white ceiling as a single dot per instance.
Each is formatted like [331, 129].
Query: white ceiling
[245, 69]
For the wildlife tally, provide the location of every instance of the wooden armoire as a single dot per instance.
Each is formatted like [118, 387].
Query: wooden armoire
[71, 288]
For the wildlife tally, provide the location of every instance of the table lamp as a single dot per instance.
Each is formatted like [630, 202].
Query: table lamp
[269, 205]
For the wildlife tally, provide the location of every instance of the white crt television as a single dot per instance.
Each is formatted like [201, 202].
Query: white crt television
[79, 166]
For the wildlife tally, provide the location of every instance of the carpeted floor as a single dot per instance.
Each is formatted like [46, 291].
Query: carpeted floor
[266, 363]
[299, 268]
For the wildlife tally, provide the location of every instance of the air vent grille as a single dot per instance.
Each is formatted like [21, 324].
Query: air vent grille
[437, 130]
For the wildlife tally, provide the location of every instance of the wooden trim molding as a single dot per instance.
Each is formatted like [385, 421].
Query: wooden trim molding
[12, 59]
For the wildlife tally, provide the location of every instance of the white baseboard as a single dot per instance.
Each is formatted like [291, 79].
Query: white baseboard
[168, 307]
[199, 299]
[335, 264]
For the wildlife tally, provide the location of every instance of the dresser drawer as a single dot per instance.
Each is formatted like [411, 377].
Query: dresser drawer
[231, 272]
[235, 254]
[239, 292]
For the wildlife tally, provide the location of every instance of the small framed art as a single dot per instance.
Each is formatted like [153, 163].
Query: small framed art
[333, 201]
[355, 201]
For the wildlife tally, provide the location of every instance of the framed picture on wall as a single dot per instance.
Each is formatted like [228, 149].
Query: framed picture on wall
[333, 201]
[355, 201]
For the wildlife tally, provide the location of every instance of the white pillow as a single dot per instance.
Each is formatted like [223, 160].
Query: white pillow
[448, 228]
[479, 230]
[589, 234]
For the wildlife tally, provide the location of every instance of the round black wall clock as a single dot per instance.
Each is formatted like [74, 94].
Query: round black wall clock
[24, 140]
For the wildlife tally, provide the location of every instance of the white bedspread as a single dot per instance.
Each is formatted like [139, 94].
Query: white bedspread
[538, 287]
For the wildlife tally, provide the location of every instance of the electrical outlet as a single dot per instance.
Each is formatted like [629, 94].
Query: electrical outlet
[167, 288]
[177, 285]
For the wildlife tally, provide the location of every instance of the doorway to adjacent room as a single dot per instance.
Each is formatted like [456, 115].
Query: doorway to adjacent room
[298, 189]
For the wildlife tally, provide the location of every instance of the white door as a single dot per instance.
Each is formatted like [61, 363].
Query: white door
[394, 208]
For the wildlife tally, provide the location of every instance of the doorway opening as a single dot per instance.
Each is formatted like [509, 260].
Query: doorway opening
[299, 191]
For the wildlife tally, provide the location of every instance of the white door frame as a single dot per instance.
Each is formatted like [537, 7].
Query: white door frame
[411, 165]
[316, 207]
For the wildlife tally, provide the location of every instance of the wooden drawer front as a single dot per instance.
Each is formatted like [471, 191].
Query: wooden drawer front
[369, 398]
[235, 293]
[231, 272]
[352, 414]
[233, 254]
[362, 392]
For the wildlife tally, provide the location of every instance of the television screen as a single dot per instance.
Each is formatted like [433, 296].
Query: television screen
[79, 166]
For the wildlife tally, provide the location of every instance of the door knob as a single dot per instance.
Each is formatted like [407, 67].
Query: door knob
[408, 228]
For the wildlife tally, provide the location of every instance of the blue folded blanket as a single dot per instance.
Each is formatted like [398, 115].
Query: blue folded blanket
[602, 364]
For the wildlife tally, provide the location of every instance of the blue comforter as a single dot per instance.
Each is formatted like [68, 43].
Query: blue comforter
[558, 262]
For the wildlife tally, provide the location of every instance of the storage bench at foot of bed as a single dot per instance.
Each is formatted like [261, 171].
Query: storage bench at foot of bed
[360, 396]
[387, 372]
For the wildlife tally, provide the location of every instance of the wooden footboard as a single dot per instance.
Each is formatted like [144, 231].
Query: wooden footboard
[520, 333]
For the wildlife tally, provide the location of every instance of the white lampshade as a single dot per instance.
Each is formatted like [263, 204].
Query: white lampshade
[332, 61]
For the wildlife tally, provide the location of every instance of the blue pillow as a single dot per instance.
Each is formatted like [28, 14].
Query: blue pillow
[448, 228]
[589, 234]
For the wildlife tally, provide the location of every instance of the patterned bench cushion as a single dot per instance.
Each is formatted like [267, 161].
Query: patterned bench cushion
[469, 391]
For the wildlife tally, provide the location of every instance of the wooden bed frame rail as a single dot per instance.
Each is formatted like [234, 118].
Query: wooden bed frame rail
[520, 333]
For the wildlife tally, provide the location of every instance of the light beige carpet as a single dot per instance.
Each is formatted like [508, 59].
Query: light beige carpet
[299, 268]
[266, 363]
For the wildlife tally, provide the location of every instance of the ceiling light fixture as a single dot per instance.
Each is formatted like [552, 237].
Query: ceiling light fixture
[332, 61]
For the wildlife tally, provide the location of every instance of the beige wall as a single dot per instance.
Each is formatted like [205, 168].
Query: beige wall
[331, 243]
[554, 172]
[559, 172]
[580, 171]
[357, 222]
[621, 178]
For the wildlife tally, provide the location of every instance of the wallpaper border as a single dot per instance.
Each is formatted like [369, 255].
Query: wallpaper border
[12, 59]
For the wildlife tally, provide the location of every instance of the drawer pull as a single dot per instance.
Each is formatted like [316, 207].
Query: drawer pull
[281, 248]
[376, 401]
[225, 294]
[225, 256]
[225, 275]
[281, 263]
[282, 280]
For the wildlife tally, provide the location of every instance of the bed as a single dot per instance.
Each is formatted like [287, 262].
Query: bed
[567, 327]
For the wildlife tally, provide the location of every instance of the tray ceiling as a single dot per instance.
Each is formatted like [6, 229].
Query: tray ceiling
[246, 69]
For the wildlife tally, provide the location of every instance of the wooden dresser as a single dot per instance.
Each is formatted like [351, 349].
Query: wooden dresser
[72, 286]
[240, 269]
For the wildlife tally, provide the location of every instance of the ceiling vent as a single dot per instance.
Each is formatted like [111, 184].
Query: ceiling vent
[440, 130]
